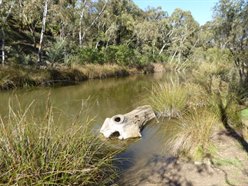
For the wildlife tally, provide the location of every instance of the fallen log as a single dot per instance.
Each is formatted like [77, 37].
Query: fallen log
[128, 125]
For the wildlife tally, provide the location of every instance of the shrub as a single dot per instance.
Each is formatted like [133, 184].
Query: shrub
[121, 54]
[91, 55]
[57, 51]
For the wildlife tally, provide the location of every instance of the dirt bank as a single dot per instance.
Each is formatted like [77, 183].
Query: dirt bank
[229, 166]
[25, 76]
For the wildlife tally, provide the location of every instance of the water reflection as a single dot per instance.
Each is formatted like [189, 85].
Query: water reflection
[101, 99]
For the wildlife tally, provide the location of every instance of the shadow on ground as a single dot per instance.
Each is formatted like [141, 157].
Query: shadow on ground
[170, 171]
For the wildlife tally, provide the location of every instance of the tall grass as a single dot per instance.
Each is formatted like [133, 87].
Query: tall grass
[193, 138]
[36, 152]
[210, 96]
[169, 99]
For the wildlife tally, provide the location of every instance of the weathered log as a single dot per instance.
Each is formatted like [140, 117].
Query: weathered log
[128, 125]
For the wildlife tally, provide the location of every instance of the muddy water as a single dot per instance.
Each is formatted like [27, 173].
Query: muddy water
[101, 99]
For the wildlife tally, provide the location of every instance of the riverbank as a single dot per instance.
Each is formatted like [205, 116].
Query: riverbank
[227, 167]
[12, 77]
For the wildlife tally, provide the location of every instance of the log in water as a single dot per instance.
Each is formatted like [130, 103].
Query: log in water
[128, 125]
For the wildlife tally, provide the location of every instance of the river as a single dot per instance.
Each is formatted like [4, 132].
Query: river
[101, 99]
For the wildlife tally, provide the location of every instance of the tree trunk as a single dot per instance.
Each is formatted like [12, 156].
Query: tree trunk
[81, 37]
[162, 49]
[3, 33]
[80, 25]
[97, 43]
[3, 47]
[128, 125]
[42, 31]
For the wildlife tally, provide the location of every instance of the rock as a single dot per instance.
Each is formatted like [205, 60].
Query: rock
[128, 125]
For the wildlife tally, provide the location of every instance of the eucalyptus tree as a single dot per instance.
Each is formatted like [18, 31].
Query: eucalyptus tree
[231, 28]
[28, 15]
[152, 31]
[165, 33]
[6, 8]
[206, 36]
[183, 34]
[82, 6]
[115, 25]
[61, 19]
[90, 14]
[44, 18]
[122, 14]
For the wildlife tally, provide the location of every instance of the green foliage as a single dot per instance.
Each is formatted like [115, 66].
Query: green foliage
[38, 153]
[115, 32]
[57, 51]
[230, 28]
[193, 138]
[169, 100]
[89, 55]
[122, 55]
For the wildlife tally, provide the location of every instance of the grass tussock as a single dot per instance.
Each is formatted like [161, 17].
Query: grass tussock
[193, 138]
[39, 153]
[169, 99]
[199, 106]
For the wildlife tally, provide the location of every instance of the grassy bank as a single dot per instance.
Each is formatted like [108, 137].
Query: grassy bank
[38, 152]
[203, 104]
[19, 76]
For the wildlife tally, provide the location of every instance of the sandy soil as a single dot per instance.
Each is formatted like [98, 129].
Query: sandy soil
[228, 167]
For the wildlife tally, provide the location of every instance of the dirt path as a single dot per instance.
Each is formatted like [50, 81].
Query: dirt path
[228, 167]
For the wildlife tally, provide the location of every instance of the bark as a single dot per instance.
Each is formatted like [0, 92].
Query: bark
[92, 24]
[162, 49]
[4, 19]
[3, 47]
[80, 24]
[42, 31]
[128, 125]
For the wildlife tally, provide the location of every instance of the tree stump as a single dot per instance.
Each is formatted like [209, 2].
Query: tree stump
[128, 125]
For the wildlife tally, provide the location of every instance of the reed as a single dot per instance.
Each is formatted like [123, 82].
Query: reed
[193, 138]
[169, 99]
[36, 152]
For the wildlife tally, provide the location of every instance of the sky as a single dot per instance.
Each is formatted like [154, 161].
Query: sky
[202, 10]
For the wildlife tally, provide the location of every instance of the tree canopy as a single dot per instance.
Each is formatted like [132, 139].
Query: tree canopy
[117, 31]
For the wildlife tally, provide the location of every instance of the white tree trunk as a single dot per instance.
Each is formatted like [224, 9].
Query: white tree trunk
[42, 31]
[81, 36]
[4, 19]
[162, 49]
[128, 125]
[80, 24]
[3, 47]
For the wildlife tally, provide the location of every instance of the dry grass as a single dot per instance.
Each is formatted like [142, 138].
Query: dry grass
[14, 77]
[193, 138]
[169, 99]
[93, 71]
[38, 153]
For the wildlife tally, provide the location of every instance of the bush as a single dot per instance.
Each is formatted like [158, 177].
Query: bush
[56, 52]
[91, 55]
[121, 54]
